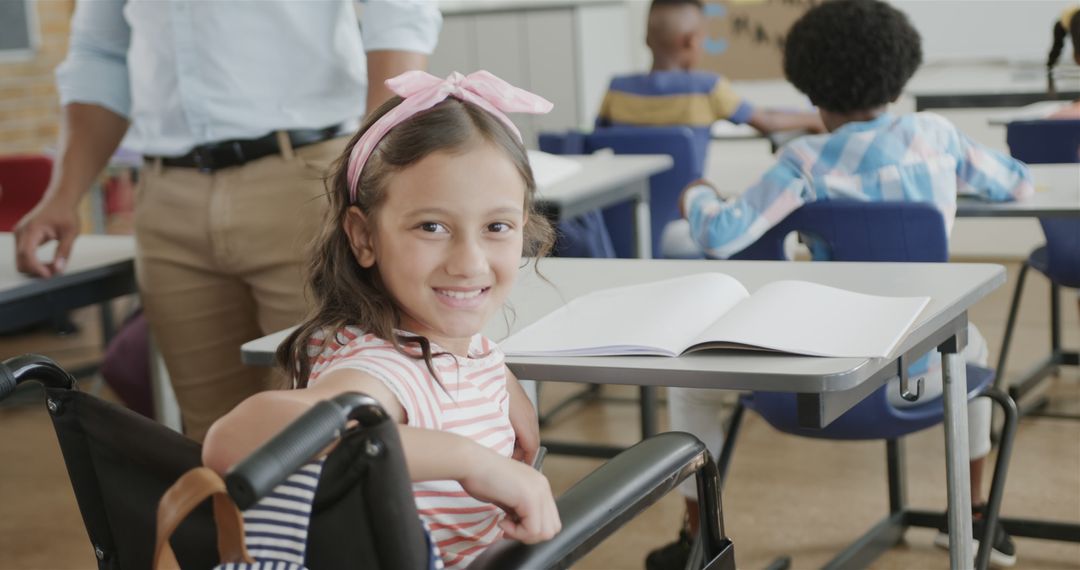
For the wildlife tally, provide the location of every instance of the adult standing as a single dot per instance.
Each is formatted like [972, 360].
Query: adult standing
[238, 108]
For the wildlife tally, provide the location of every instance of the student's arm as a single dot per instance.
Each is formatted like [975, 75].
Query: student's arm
[430, 455]
[398, 36]
[92, 83]
[769, 121]
[523, 418]
[724, 228]
[988, 173]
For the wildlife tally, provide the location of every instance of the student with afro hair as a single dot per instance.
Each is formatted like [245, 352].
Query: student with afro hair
[852, 58]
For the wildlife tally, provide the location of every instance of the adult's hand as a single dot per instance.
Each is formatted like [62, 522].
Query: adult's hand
[48, 221]
[89, 134]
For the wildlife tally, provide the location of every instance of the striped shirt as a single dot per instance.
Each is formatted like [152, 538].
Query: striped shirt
[469, 399]
[276, 527]
[664, 98]
[918, 157]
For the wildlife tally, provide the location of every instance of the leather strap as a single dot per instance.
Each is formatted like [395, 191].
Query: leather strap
[184, 496]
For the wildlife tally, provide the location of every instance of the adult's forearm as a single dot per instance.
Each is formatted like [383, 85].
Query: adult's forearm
[382, 65]
[89, 134]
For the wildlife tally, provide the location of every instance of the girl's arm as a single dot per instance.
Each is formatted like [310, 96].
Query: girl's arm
[523, 419]
[430, 455]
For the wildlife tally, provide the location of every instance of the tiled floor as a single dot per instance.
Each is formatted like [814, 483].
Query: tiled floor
[801, 497]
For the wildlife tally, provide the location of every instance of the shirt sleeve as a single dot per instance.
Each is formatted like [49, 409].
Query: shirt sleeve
[724, 228]
[727, 104]
[988, 173]
[400, 25]
[95, 69]
[603, 117]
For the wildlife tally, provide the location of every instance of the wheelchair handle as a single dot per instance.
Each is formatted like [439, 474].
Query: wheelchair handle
[300, 442]
[19, 369]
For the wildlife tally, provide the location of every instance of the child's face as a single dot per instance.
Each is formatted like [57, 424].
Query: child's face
[448, 241]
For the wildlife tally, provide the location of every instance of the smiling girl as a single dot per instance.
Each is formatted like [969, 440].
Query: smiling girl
[431, 211]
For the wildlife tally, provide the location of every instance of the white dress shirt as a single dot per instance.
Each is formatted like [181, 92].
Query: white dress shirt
[189, 72]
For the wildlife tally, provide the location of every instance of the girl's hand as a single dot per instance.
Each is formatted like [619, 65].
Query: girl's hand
[524, 421]
[521, 491]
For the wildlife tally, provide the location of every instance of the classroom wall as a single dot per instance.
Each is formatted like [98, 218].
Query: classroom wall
[29, 109]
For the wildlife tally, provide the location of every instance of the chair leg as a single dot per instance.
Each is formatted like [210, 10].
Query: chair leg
[1055, 319]
[1010, 325]
[1001, 469]
[894, 460]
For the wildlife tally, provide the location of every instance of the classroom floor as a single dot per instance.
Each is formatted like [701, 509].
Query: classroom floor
[786, 495]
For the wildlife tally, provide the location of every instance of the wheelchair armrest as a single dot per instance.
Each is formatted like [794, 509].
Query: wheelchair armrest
[603, 501]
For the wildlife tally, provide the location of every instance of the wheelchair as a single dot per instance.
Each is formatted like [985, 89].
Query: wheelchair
[364, 515]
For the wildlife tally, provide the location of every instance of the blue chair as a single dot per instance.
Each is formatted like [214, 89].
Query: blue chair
[686, 149]
[1046, 142]
[874, 231]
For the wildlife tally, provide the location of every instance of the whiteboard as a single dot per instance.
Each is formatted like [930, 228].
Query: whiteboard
[986, 30]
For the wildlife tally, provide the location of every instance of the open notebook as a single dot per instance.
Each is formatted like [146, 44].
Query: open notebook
[713, 310]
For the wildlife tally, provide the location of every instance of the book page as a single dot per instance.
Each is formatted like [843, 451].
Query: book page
[657, 318]
[817, 320]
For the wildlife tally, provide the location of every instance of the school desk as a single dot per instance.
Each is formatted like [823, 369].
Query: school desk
[99, 269]
[826, 387]
[979, 86]
[1057, 193]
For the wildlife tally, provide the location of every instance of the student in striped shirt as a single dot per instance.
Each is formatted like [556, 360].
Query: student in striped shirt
[676, 91]
[431, 211]
[853, 58]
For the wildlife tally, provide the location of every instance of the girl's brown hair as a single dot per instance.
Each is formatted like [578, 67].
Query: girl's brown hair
[344, 293]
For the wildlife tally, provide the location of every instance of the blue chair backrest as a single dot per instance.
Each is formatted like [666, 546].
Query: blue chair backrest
[1062, 250]
[1052, 141]
[686, 149]
[1047, 141]
[873, 418]
[849, 230]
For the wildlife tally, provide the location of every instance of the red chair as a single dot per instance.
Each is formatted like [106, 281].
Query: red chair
[23, 179]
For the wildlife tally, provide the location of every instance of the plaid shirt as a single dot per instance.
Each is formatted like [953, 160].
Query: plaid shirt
[917, 157]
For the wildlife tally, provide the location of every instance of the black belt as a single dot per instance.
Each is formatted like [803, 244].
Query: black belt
[224, 154]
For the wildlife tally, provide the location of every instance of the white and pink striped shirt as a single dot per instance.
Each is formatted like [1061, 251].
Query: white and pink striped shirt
[469, 398]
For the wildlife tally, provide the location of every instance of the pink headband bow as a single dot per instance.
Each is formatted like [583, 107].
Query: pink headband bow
[422, 91]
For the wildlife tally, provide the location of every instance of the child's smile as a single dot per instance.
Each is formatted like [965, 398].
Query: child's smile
[447, 241]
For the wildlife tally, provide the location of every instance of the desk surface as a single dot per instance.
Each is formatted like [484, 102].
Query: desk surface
[92, 256]
[603, 180]
[952, 289]
[1057, 193]
[990, 85]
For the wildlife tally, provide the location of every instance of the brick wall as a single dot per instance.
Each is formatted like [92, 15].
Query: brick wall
[29, 109]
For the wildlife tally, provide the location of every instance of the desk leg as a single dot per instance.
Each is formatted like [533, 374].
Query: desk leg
[643, 222]
[957, 456]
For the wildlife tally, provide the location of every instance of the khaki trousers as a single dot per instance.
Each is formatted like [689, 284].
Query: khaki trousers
[219, 260]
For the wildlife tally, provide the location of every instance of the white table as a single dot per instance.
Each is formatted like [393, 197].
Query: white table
[826, 387]
[605, 180]
[100, 268]
[1057, 193]
[988, 85]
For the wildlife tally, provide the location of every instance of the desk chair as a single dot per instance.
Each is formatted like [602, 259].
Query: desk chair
[841, 230]
[23, 179]
[1041, 142]
[686, 149]
[591, 233]
[364, 514]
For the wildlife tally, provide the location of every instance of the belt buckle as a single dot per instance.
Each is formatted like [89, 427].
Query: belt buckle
[204, 160]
